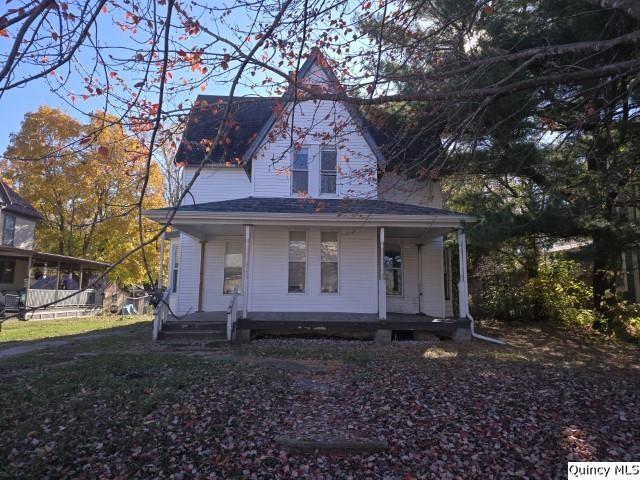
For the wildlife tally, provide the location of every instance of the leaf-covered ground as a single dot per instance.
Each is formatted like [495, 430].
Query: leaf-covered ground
[123, 408]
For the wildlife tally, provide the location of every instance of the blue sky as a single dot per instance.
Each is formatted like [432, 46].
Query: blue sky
[15, 103]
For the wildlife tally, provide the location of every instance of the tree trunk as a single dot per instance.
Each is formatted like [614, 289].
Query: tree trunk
[606, 266]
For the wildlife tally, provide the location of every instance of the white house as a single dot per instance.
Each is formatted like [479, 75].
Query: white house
[293, 211]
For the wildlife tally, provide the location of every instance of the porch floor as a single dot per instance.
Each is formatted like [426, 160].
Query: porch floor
[334, 322]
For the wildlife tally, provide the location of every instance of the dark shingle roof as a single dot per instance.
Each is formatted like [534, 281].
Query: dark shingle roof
[247, 116]
[14, 203]
[310, 206]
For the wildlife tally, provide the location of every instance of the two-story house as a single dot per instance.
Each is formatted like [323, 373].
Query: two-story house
[294, 211]
[34, 279]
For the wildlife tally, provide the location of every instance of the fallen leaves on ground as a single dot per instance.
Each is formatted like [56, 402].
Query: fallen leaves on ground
[446, 411]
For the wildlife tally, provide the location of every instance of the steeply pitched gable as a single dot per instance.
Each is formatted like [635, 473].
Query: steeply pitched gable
[250, 121]
[15, 203]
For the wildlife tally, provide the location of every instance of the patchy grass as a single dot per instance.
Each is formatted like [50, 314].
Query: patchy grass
[18, 331]
[119, 406]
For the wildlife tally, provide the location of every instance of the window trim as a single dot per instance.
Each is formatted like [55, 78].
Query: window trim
[4, 229]
[224, 265]
[293, 169]
[402, 255]
[306, 262]
[337, 262]
[333, 149]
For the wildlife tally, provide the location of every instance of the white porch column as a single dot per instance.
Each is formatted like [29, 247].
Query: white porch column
[463, 291]
[203, 245]
[382, 287]
[248, 231]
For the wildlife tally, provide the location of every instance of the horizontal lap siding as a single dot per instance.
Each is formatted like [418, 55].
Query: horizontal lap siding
[357, 273]
[188, 274]
[217, 184]
[356, 161]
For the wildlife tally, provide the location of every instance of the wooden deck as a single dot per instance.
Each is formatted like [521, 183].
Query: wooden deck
[329, 324]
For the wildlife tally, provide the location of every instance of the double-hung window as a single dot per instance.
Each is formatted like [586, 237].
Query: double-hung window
[232, 268]
[329, 262]
[8, 229]
[393, 270]
[297, 261]
[7, 271]
[300, 171]
[328, 170]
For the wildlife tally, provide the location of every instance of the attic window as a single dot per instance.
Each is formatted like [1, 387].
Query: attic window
[300, 171]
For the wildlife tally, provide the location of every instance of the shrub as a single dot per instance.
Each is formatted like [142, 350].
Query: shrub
[555, 294]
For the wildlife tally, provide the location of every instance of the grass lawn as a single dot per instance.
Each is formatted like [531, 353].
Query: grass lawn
[16, 330]
[121, 407]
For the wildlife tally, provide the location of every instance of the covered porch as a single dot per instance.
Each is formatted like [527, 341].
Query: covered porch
[40, 285]
[314, 271]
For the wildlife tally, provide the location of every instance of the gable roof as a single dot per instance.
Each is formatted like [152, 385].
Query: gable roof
[246, 118]
[250, 121]
[15, 203]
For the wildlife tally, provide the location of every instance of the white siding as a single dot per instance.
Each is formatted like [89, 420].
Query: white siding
[213, 298]
[357, 290]
[188, 275]
[217, 184]
[394, 188]
[323, 122]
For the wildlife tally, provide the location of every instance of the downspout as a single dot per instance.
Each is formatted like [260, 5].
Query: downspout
[464, 293]
[420, 293]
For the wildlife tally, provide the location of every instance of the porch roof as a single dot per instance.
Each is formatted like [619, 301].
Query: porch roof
[52, 258]
[251, 208]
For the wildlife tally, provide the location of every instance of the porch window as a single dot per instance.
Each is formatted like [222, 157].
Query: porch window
[329, 262]
[328, 170]
[8, 229]
[300, 171]
[297, 261]
[7, 271]
[232, 268]
[175, 259]
[393, 270]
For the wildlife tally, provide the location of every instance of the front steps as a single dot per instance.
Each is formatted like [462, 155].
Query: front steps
[192, 332]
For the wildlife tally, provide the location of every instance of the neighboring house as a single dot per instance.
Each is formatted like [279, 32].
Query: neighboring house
[307, 229]
[20, 264]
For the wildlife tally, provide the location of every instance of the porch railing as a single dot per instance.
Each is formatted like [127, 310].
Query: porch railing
[58, 298]
[160, 315]
[232, 316]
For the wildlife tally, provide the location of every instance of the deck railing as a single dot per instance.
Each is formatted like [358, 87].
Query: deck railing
[58, 298]
[232, 316]
[160, 315]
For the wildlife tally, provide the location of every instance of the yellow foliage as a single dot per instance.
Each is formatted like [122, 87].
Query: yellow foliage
[86, 180]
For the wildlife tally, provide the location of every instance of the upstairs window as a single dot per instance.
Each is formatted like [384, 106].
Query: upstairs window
[232, 268]
[393, 270]
[300, 171]
[328, 170]
[297, 261]
[329, 262]
[8, 229]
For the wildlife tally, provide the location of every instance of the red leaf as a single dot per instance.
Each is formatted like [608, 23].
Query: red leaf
[103, 151]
